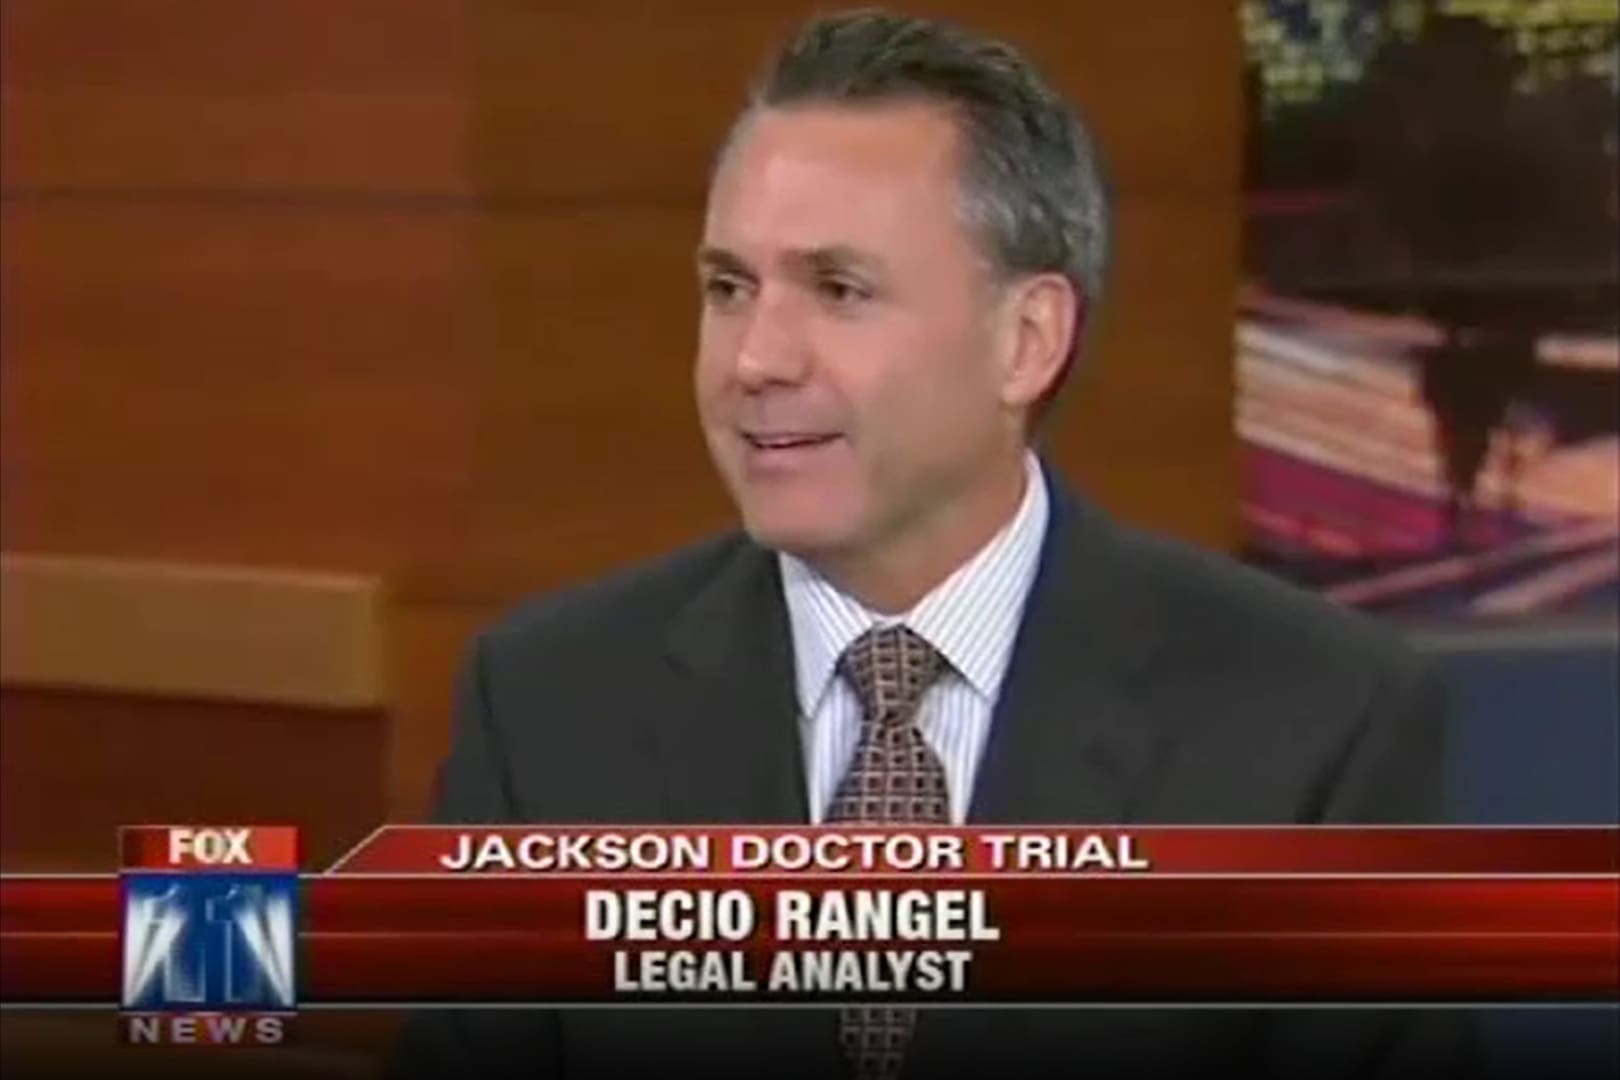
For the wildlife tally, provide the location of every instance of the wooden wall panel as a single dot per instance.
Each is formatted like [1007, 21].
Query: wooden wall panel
[625, 103]
[154, 97]
[192, 631]
[235, 383]
[1155, 391]
[78, 765]
[235, 310]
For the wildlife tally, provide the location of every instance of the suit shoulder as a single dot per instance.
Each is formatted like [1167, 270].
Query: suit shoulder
[1227, 606]
[615, 605]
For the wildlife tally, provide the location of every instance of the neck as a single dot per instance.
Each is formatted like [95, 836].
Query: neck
[892, 576]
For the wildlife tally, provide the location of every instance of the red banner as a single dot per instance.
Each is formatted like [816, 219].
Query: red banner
[773, 851]
[1027, 939]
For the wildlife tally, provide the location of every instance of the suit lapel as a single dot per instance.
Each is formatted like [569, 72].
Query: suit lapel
[1066, 745]
[728, 735]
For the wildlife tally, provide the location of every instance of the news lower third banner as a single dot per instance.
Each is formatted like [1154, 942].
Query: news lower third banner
[217, 922]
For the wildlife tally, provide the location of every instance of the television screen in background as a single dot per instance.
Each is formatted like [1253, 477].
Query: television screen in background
[1428, 368]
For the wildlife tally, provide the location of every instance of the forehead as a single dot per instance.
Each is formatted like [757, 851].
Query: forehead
[837, 174]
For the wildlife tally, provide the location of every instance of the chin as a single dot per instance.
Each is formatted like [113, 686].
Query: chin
[805, 535]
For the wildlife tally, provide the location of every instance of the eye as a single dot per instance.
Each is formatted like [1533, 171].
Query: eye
[723, 290]
[842, 292]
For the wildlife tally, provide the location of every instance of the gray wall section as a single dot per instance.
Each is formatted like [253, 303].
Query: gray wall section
[1535, 734]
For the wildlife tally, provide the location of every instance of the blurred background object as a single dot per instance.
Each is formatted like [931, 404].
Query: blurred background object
[1428, 361]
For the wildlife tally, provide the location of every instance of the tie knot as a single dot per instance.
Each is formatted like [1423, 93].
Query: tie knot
[890, 667]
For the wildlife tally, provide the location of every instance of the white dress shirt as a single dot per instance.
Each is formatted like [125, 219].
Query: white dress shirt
[972, 618]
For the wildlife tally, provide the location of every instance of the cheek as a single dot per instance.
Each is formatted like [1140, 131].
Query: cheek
[710, 371]
[907, 385]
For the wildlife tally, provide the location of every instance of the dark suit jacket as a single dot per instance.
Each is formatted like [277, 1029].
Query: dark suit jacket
[1150, 684]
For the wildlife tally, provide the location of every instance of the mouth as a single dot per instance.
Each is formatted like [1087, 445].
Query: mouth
[786, 453]
[777, 441]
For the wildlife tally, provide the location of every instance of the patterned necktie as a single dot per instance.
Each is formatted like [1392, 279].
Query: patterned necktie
[894, 779]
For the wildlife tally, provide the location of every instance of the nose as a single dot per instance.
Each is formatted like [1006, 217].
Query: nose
[771, 349]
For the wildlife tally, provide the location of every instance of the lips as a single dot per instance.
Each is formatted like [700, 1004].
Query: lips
[786, 440]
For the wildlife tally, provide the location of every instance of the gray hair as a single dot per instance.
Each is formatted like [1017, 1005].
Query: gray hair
[1033, 184]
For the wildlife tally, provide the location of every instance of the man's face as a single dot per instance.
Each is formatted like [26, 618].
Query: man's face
[846, 375]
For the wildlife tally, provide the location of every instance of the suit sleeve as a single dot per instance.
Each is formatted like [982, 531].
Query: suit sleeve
[1391, 774]
[474, 787]
[1394, 770]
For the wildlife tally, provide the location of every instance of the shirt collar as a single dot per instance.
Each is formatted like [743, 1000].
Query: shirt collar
[971, 617]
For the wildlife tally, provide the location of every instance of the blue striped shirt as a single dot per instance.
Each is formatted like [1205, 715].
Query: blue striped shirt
[971, 618]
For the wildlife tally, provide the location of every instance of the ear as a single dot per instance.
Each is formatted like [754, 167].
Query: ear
[1040, 316]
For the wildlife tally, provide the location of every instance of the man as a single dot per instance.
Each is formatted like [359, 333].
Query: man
[905, 233]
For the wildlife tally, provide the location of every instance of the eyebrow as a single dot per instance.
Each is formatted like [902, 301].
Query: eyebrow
[830, 258]
[716, 258]
[834, 257]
